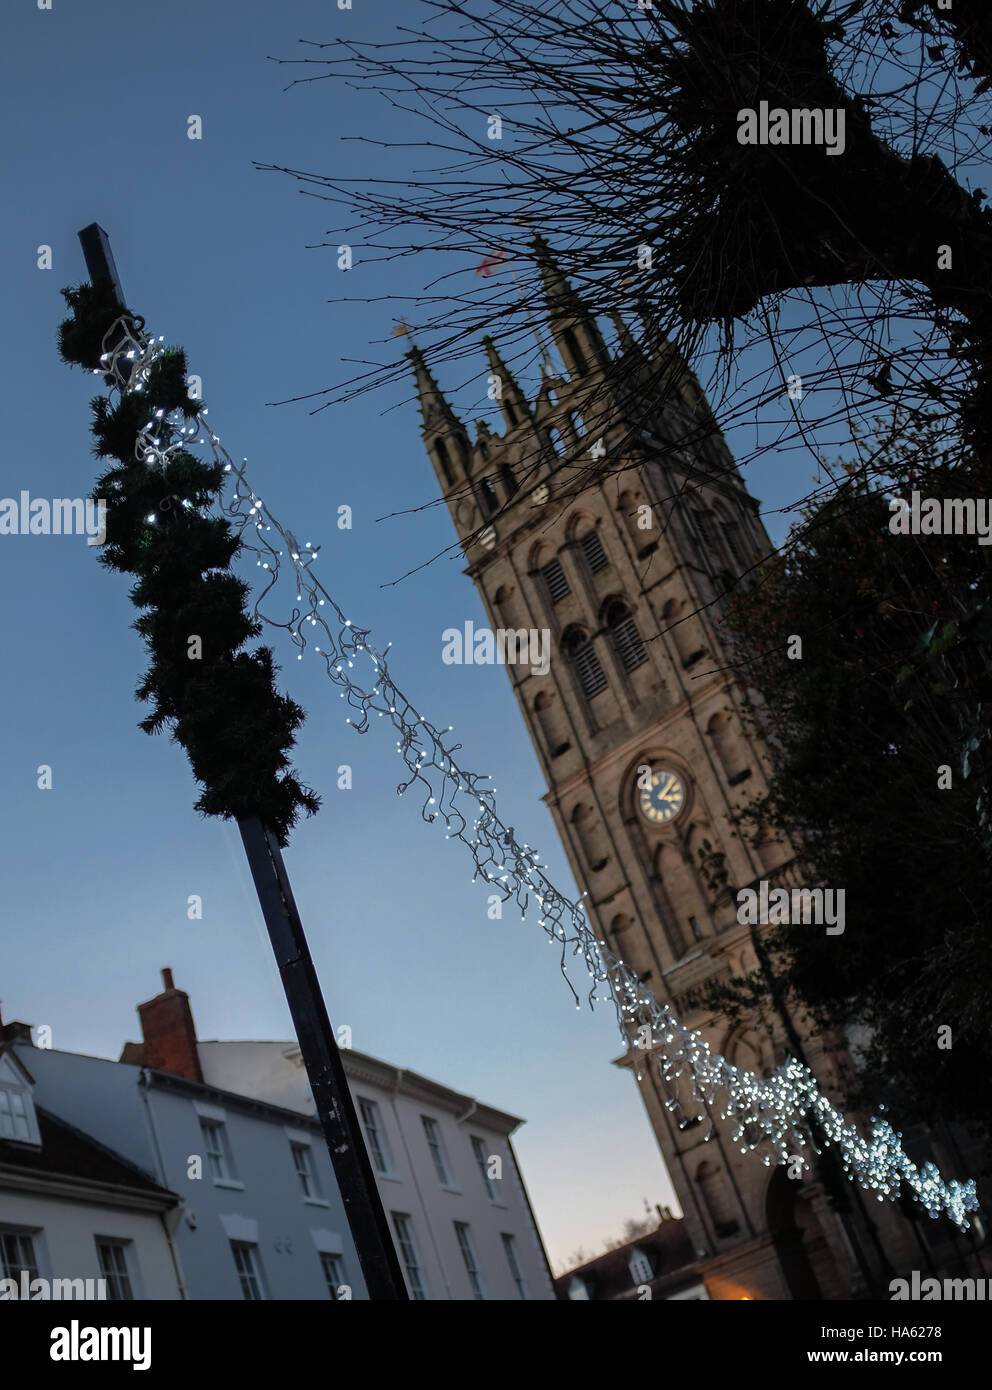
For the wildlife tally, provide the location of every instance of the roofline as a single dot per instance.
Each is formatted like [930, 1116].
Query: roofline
[414, 1085]
[92, 1191]
[94, 1143]
[232, 1100]
[168, 1081]
[149, 1194]
[373, 1070]
[8, 1046]
[631, 1245]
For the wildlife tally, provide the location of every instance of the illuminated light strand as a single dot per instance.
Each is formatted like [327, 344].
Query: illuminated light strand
[780, 1107]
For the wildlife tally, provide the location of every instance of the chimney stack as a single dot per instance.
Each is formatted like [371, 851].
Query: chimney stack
[16, 1032]
[169, 1033]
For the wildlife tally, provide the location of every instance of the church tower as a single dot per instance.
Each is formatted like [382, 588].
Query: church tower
[610, 511]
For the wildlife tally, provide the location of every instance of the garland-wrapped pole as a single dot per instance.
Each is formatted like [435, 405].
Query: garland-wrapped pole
[182, 559]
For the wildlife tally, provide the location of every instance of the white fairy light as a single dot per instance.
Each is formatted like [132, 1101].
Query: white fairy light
[776, 1107]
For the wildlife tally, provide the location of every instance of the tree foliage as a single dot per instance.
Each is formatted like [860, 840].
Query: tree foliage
[874, 782]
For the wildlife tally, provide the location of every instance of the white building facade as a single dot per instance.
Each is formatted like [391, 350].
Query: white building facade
[231, 1128]
[76, 1220]
[250, 1226]
[444, 1162]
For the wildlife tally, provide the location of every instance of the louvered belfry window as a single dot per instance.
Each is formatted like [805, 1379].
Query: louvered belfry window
[592, 549]
[626, 638]
[585, 662]
[554, 577]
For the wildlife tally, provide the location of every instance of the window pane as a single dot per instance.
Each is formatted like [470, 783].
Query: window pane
[301, 1160]
[333, 1273]
[213, 1139]
[17, 1253]
[244, 1263]
[513, 1262]
[433, 1136]
[370, 1119]
[113, 1268]
[482, 1159]
[408, 1252]
[21, 1130]
[468, 1255]
[13, 1115]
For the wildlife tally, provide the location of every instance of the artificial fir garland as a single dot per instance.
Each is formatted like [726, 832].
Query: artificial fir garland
[218, 700]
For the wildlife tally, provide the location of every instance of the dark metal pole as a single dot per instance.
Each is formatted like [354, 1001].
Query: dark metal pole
[356, 1181]
[335, 1106]
[100, 259]
[101, 266]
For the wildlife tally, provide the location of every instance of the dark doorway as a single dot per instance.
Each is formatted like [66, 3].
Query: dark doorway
[780, 1213]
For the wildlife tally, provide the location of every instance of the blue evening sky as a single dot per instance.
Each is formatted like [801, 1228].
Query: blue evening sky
[96, 871]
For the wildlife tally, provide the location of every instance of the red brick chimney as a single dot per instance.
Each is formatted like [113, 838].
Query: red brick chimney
[169, 1034]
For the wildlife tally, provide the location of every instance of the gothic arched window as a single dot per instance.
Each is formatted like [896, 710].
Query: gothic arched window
[505, 602]
[702, 520]
[509, 480]
[631, 510]
[716, 1198]
[589, 833]
[488, 496]
[680, 627]
[592, 548]
[728, 752]
[444, 459]
[550, 721]
[556, 580]
[626, 639]
[577, 423]
[731, 537]
[581, 654]
[575, 353]
[556, 442]
[620, 924]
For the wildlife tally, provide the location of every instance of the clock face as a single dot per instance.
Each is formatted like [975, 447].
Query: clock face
[665, 798]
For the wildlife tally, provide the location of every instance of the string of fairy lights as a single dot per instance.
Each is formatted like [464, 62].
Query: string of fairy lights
[774, 1114]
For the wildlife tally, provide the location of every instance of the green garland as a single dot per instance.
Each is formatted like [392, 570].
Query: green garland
[223, 706]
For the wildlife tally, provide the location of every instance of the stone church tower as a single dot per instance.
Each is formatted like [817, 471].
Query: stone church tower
[627, 569]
